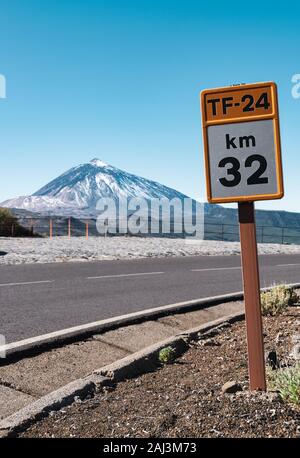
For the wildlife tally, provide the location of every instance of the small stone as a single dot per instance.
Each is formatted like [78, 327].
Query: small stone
[279, 337]
[296, 338]
[231, 387]
[296, 352]
[273, 396]
[108, 389]
[209, 343]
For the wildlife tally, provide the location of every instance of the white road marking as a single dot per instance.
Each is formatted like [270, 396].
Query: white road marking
[287, 265]
[124, 275]
[215, 268]
[27, 283]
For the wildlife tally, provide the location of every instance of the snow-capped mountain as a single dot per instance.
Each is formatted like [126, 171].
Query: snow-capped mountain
[78, 190]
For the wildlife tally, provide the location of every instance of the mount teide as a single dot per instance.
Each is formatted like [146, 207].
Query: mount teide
[76, 192]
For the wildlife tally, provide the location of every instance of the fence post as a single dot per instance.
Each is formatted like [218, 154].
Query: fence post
[69, 228]
[50, 229]
[282, 236]
[262, 234]
[12, 229]
[222, 232]
[87, 230]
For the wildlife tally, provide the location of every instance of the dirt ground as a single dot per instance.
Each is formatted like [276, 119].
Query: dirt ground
[184, 399]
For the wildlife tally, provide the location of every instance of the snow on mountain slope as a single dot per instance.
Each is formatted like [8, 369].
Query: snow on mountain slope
[82, 186]
[35, 203]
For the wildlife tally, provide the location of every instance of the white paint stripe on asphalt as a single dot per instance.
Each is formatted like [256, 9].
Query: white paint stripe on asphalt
[287, 265]
[215, 268]
[125, 275]
[27, 283]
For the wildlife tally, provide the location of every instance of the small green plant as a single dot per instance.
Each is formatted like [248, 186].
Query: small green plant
[276, 300]
[287, 382]
[167, 355]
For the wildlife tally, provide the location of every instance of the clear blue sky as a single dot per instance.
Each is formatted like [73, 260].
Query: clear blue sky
[120, 80]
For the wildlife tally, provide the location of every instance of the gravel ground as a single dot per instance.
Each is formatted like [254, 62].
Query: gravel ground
[184, 399]
[59, 249]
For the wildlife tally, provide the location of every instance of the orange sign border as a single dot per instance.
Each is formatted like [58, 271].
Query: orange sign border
[273, 116]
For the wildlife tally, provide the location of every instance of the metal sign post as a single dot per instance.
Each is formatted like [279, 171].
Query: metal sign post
[243, 164]
[252, 296]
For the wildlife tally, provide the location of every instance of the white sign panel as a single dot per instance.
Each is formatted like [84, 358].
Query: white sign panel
[242, 143]
[242, 159]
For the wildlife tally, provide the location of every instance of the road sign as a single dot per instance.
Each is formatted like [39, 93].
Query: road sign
[242, 143]
[243, 164]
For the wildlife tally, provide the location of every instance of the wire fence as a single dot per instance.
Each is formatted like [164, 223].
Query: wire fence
[265, 234]
[73, 227]
[49, 227]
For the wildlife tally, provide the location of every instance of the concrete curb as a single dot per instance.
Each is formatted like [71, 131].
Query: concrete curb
[146, 360]
[58, 338]
[53, 401]
[138, 363]
[43, 342]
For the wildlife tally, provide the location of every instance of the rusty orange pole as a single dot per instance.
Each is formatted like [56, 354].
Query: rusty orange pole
[69, 228]
[87, 230]
[255, 343]
[50, 229]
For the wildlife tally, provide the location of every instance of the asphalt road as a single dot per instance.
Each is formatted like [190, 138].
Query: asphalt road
[40, 298]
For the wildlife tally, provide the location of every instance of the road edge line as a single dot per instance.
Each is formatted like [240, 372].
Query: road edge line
[56, 339]
[68, 335]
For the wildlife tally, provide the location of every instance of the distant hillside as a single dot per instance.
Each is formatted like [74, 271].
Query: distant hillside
[220, 224]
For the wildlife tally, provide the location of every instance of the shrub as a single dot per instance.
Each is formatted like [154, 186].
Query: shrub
[287, 382]
[167, 355]
[276, 300]
[9, 225]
